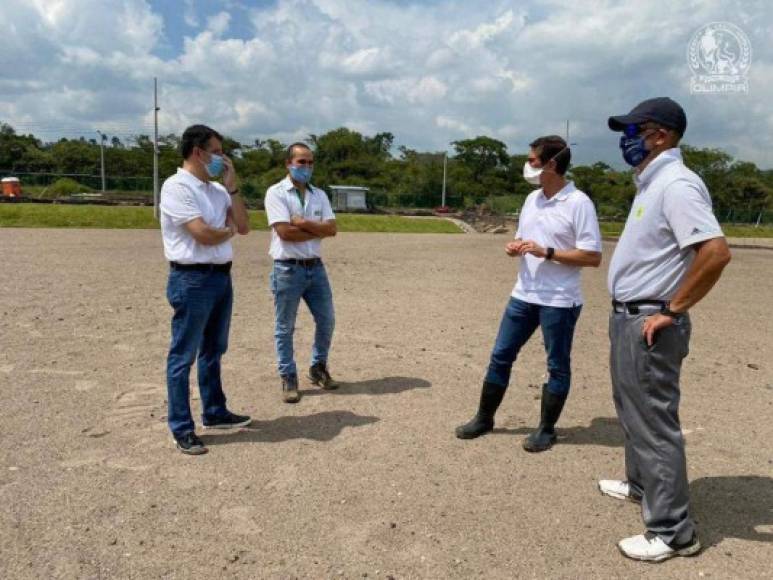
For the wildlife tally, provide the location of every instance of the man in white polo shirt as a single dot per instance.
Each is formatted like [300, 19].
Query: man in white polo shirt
[558, 234]
[198, 219]
[670, 254]
[300, 215]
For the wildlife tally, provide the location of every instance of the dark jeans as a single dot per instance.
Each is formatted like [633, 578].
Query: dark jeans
[202, 304]
[519, 322]
[290, 283]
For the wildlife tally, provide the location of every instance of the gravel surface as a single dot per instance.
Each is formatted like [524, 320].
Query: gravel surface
[367, 481]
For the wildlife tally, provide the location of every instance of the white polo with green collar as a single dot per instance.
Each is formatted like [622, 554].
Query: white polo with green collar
[282, 202]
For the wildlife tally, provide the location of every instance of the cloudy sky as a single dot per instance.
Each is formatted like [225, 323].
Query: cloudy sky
[429, 71]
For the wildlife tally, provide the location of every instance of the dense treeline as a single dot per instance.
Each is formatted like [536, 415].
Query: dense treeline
[480, 170]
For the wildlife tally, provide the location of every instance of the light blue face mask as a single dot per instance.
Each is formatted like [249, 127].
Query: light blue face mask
[215, 166]
[301, 174]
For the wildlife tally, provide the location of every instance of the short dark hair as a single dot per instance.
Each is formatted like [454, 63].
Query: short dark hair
[553, 147]
[197, 136]
[289, 154]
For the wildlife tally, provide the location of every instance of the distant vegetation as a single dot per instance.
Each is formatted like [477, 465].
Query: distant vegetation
[481, 170]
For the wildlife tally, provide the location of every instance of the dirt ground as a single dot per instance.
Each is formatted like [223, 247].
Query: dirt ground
[368, 481]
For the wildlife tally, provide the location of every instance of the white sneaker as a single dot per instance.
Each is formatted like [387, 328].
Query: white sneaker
[618, 490]
[650, 548]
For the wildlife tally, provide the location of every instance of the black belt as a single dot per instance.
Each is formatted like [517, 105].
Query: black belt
[635, 306]
[202, 267]
[308, 262]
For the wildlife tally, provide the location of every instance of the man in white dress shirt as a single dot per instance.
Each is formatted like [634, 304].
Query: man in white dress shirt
[198, 219]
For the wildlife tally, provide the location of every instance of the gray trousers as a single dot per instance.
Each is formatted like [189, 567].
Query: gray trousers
[645, 386]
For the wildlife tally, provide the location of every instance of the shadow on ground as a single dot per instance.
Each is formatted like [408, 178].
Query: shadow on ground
[385, 386]
[733, 507]
[322, 426]
[604, 431]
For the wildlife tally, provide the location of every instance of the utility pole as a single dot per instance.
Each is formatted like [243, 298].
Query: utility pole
[102, 139]
[155, 147]
[567, 131]
[445, 165]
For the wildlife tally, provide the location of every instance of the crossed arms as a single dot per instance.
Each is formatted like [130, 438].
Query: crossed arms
[236, 221]
[302, 230]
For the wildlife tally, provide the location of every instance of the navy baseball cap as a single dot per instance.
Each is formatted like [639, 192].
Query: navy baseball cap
[661, 110]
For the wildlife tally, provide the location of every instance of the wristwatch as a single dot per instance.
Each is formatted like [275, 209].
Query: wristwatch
[666, 311]
[549, 254]
[234, 192]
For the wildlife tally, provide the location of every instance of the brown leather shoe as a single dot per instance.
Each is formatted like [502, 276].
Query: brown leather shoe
[319, 376]
[290, 393]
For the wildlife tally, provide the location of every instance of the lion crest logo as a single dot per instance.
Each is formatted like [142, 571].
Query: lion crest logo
[719, 56]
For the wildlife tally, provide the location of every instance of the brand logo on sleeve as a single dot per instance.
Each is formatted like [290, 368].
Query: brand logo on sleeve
[639, 213]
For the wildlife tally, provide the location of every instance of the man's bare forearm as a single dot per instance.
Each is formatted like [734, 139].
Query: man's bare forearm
[210, 236]
[296, 234]
[711, 258]
[575, 257]
[319, 229]
[239, 213]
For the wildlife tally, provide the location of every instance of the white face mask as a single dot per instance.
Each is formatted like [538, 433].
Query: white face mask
[531, 174]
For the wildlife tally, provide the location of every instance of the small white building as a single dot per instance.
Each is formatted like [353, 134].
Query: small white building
[348, 197]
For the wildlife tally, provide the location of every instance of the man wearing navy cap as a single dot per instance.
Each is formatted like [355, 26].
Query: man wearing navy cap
[671, 253]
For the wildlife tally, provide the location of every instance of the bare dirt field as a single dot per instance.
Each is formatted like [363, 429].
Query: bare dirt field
[367, 481]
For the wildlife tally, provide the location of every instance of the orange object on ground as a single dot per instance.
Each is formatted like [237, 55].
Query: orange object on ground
[11, 187]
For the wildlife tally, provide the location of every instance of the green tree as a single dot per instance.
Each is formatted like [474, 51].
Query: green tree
[481, 155]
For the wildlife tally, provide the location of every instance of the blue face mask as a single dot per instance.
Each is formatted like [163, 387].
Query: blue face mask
[634, 151]
[633, 147]
[301, 174]
[215, 165]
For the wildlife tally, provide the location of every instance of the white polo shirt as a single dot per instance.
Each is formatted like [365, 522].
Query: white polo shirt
[566, 221]
[184, 197]
[282, 202]
[671, 212]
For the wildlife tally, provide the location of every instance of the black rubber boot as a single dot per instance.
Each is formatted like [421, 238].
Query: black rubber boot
[490, 397]
[545, 435]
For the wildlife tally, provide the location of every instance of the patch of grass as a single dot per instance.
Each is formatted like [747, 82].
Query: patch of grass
[614, 229]
[31, 215]
[747, 231]
[394, 224]
[611, 229]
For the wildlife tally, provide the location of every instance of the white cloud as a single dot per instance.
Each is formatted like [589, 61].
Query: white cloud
[471, 39]
[218, 24]
[364, 62]
[428, 72]
[426, 90]
[454, 125]
[189, 14]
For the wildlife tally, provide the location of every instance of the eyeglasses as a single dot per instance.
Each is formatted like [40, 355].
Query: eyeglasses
[303, 161]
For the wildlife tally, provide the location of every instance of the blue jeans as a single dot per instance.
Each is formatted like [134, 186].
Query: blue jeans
[202, 304]
[290, 283]
[519, 322]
